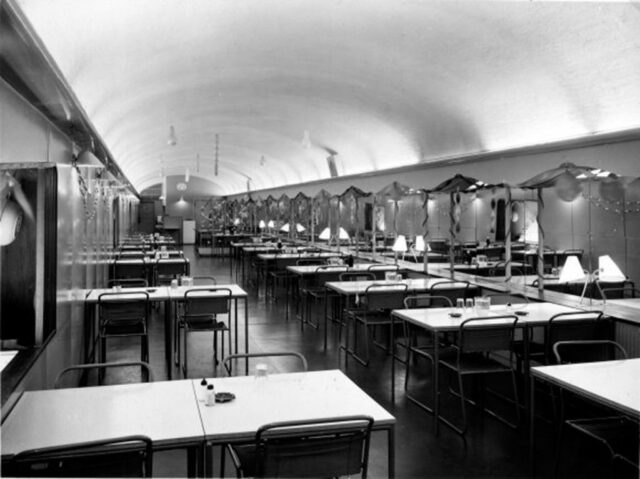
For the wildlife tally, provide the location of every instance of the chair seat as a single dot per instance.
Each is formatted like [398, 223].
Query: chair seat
[373, 317]
[204, 324]
[123, 328]
[618, 433]
[474, 363]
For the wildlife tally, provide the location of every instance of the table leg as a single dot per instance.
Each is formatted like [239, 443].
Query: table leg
[532, 417]
[235, 333]
[246, 334]
[391, 438]
[168, 337]
[393, 358]
[436, 382]
[326, 324]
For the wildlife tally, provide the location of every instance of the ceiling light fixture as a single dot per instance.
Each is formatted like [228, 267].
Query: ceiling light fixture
[306, 140]
[173, 140]
[215, 164]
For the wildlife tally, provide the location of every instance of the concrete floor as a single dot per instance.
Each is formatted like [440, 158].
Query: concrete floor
[491, 449]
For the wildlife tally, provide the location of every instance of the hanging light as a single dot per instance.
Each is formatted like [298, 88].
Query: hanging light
[173, 139]
[215, 164]
[306, 140]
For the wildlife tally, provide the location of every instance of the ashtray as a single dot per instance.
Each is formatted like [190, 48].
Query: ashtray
[151, 290]
[225, 397]
[455, 315]
[522, 313]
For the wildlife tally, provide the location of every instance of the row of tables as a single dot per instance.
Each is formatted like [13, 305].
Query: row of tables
[173, 413]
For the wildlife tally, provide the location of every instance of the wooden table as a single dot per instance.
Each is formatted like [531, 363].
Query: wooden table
[289, 397]
[164, 411]
[615, 384]
[438, 321]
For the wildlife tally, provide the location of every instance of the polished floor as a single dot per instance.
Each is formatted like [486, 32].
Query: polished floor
[490, 449]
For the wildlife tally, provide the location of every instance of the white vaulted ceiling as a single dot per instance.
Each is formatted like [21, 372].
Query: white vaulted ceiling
[383, 83]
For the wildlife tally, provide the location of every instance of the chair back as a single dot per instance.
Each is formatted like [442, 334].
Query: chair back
[486, 334]
[58, 384]
[204, 281]
[626, 291]
[129, 269]
[567, 352]
[201, 302]
[385, 296]
[130, 456]
[228, 361]
[451, 289]
[129, 282]
[581, 325]
[507, 298]
[328, 273]
[320, 448]
[427, 301]
[357, 276]
[168, 269]
[123, 310]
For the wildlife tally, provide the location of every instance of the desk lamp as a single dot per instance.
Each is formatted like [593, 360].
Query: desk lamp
[572, 272]
[399, 246]
[325, 235]
[262, 225]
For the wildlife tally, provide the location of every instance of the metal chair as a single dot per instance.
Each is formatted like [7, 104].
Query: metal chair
[148, 372]
[123, 314]
[166, 270]
[451, 289]
[227, 361]
[200, 313]
[316, 291]
[328, 447]
[418, 344]
[129, 456]
[377, 303]
[478, 338]
[124, 269]
[618, 435]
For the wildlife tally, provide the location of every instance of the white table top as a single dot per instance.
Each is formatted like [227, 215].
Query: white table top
[359, 267]
[178, 293]
[359, 287]
[147, 260]
[628, 302]
[285, 397]
[156, 293]
[439, 319]
[613, 383]
[268, 256]
[164, 411]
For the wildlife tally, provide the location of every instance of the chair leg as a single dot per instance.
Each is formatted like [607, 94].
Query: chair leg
[463, 404]
[186, 355]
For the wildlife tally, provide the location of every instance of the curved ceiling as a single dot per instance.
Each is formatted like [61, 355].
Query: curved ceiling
[382, 83]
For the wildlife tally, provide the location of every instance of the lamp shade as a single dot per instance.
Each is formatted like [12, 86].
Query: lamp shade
[572, 270]
[342, 234]
[325, 234]
[400, 245]
[300, 228]
[285, 228]
[270, 224]
[262, 225]
[419, 245]
[236, 221]
[608, 270]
